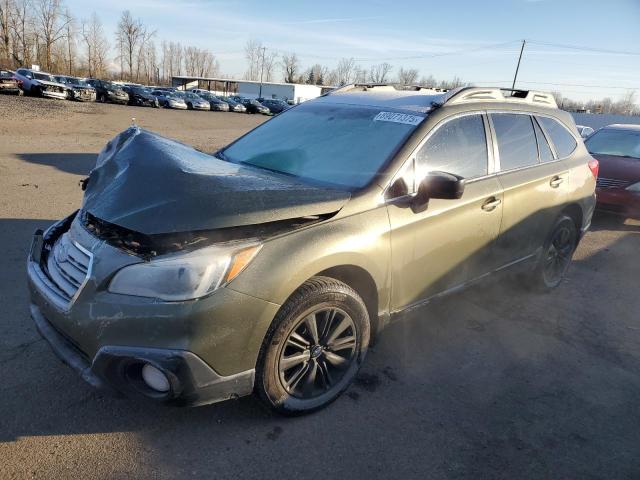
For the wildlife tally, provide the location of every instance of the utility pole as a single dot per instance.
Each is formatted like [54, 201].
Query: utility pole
[261, 71]
[518, 67]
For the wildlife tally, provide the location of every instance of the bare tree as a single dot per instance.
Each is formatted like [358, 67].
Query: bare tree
[7, 11]
[268, 65]
[290, 67]
[345, 71]
[51, 25]
[96, 46]
[408, 76]
[22, 38]
[380, 73]
[131, 35]
[70, 35]
[199, 62]
[253, 52]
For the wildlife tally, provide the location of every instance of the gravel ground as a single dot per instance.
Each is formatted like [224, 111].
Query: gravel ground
[493, 383]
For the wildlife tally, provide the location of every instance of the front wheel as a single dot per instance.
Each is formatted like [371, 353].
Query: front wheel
[556, 256]
[314, 348]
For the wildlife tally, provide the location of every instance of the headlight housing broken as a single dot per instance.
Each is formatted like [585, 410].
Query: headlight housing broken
[184, 276]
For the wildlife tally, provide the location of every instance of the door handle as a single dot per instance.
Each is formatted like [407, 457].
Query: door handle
[556, 181]
[491, 204]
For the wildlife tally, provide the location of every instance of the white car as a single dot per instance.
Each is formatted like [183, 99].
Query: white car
[198, 91]
[41, 84]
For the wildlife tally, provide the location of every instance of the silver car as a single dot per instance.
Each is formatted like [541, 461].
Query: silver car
[193, 101]
[169, 99]
[41, 84]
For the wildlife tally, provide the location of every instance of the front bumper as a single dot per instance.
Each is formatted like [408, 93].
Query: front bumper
[619, 200]
[84, 96]
[53, 94]
[207, 347]
[117, 369]
[201, 107]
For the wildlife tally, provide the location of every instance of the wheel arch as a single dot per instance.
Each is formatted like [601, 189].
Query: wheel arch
[574, 211]
[363, 283]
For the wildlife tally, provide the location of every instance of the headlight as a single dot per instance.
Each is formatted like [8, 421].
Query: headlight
[184, 276]
[634, 188]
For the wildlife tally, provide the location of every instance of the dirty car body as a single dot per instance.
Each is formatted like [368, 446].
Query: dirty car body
[79, 90]
[9, 83]
[179, 270]
[41, 84]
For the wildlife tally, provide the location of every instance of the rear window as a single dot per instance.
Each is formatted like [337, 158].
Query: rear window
[560, 137]
[516, 140]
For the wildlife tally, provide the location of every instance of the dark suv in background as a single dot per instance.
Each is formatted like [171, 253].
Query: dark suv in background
[108, 91]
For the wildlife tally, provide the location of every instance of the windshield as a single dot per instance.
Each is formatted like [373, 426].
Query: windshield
[622, 143]
[338, 144]
[43, 76]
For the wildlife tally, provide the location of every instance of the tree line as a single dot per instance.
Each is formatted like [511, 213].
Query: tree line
[46, 33]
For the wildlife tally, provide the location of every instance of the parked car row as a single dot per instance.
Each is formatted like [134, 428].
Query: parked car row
[43, 84]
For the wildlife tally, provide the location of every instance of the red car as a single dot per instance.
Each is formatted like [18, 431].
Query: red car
[617, 148]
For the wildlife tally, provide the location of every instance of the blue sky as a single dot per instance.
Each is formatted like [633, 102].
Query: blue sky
[477, 41]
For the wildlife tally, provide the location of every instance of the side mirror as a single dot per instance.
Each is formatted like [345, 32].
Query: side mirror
[441, 185]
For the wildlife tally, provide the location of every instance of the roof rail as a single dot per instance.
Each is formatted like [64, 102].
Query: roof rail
[494, 94]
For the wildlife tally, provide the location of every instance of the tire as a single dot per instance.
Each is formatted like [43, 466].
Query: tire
[557, 253]
[20, 92]
[296, 375]
[189, 106]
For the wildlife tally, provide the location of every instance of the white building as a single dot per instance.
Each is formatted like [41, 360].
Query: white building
[251, 89]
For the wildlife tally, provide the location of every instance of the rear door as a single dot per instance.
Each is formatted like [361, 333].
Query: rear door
[451, 241]
[535, 184]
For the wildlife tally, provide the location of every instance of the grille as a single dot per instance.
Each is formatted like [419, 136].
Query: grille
[611, 183]
[68, 266]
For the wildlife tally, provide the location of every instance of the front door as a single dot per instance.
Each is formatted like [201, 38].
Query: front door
[451, 241]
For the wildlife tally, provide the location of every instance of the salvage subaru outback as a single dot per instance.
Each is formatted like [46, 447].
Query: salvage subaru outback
[268, 266]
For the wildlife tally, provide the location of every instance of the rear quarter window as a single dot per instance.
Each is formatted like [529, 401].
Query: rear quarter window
[561, 138]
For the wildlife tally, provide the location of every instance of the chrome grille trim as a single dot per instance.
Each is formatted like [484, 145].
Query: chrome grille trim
[602, 182]
[68, 267]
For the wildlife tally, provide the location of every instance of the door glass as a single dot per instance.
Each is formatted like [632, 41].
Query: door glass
[563, 141]
[516, 141]
[543, 147]
[459, 147]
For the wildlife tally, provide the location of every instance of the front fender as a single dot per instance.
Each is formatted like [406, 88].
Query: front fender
[287, 261]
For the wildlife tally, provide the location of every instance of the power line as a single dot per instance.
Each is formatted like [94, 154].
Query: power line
[583, 48]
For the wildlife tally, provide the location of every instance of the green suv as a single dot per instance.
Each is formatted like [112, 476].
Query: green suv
[269, 266]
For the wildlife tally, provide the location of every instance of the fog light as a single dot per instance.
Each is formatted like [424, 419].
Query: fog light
[154, 378]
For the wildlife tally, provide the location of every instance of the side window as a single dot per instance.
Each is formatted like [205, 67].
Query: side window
[563, 141]
[459, 147]
[546, 155]
[404, 183]
[516, 140]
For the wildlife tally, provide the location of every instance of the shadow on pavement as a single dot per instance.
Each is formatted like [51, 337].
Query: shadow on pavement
[494, 382]
[75, 163]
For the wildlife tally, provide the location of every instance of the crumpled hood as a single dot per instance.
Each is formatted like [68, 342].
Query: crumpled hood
[153, 185]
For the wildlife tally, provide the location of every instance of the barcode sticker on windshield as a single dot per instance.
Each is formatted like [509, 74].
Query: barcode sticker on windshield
[398, 118]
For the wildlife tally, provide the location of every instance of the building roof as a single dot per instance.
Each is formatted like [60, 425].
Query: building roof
[235, 80]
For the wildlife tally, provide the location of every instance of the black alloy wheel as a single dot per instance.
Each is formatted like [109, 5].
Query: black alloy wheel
[314, 347]
[317, 353]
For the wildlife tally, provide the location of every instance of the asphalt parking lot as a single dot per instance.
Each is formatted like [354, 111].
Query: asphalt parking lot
[491, 383]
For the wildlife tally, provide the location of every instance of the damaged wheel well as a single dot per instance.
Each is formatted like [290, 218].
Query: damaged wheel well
[362, 282]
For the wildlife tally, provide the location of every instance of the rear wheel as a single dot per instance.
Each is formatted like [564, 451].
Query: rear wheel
[556, 255]
[314, 348]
